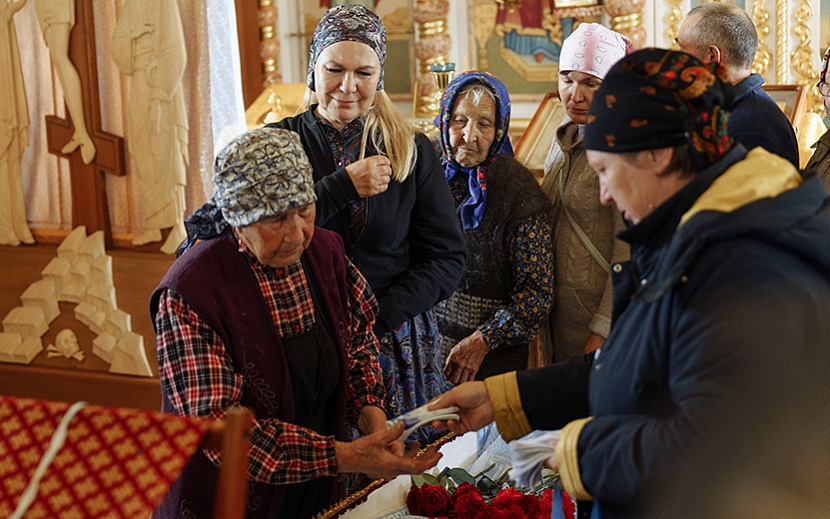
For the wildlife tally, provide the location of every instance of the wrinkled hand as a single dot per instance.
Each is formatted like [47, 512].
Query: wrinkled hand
[474, 408]
[371, 420]
[465, 358]
[370, 176]
[373, 456]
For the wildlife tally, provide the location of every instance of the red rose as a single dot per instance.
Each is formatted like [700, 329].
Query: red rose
[506, 497]
[434, 500]
[468, 502]
[530, 504]
[413, 501]
[546, 503]
[510, 511]
[568, 506]
[463, 490]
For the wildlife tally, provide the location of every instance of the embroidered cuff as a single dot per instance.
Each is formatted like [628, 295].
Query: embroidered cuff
[503, 391]
[567, 459]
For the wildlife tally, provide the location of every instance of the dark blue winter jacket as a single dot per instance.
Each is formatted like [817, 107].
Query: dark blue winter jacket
[726, 297]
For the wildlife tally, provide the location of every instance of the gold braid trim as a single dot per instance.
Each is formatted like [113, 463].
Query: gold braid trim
[503, 391]
[567, 459]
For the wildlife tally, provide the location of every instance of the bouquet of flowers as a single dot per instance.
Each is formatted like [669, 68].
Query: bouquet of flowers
[454, 493]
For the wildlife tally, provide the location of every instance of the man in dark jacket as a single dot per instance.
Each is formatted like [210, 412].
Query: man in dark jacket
[723, 305]
[726, 34]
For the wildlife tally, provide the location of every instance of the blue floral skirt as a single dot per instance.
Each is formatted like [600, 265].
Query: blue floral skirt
[412, 365]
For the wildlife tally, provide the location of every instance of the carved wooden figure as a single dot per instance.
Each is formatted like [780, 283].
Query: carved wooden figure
[56, 18]
[14, 137]
[148, 45]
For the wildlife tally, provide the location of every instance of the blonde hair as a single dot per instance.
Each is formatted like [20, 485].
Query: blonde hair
[388, 131]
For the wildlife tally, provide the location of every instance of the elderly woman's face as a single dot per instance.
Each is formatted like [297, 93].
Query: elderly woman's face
[346, 78]
[279, 241]
[637, 182]
[472, 129]
[576, 90]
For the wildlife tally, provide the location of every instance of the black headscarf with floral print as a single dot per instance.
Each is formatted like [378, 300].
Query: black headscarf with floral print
[657, 98]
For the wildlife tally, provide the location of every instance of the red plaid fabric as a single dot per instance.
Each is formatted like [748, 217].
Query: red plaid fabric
[293, 309]
[116, 463]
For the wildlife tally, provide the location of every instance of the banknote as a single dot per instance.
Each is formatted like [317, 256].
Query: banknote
[528, 456]
[422, 416]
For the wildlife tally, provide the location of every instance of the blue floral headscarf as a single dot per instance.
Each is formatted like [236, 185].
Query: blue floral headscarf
[472, 211]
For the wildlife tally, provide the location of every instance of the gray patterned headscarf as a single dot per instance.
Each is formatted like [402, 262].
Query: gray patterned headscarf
[262, 173]
[350, 22]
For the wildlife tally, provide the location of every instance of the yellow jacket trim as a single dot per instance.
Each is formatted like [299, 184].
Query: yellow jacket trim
[760, 175]
[567, 459]
[503, 391]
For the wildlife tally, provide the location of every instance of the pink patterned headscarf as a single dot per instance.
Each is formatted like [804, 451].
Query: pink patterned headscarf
[593, 49]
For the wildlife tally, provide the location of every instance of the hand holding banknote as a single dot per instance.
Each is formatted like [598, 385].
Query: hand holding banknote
[473, 407]
[420, 417]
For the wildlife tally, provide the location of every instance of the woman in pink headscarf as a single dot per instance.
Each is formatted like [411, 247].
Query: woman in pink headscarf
[583, 230]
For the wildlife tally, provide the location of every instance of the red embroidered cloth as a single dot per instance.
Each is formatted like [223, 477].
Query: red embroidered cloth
[116, 463]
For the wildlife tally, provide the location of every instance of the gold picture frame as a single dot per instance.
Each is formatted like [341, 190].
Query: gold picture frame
[792, 99]
[533, 147]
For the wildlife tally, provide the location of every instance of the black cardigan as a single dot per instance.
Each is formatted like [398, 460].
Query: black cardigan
[411, 250]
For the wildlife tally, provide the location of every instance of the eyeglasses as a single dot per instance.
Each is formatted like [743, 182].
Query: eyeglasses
[824, 88]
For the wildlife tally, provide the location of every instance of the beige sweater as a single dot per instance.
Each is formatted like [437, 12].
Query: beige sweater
[582, 289]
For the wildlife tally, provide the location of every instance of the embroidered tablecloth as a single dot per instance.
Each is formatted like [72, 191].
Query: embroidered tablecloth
[116, 463]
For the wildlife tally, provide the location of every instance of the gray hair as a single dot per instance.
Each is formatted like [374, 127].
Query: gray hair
[729, 28]
[476, 91]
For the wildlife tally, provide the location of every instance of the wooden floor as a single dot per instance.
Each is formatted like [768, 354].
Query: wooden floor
[135, 275]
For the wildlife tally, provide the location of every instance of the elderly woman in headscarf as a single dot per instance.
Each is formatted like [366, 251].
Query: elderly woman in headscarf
[730, 252]
[272, 316]
[506, 289]
[380, 186]
[583, 229]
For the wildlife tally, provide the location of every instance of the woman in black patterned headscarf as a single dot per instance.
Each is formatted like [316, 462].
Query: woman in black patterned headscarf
[723, 305]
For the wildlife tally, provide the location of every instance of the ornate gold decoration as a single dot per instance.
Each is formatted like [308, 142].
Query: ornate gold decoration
[673, 21]
[509, 4]
[782, 58]
[269, 43]
[432, 46]
[802, 58]
[627, 18]
[760, 16]
[484, 20]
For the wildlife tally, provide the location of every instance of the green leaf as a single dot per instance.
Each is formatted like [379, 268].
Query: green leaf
[419, 479]
[460, 475]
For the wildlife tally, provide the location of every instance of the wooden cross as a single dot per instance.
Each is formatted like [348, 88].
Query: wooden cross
[89, 189]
